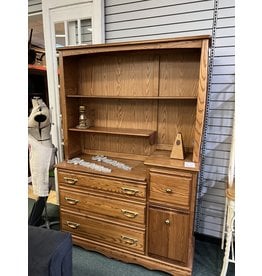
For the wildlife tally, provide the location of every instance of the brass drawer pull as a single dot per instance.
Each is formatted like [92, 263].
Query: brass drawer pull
[70, 180]
[129, 191]
[169, 191]
[129, 214]
[72, 225]
[129, 240]
[71, 201]
[167, 221]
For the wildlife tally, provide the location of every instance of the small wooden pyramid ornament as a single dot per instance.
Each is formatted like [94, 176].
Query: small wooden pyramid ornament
[178, 148]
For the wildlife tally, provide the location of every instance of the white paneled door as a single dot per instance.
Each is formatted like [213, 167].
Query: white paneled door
[67, 23]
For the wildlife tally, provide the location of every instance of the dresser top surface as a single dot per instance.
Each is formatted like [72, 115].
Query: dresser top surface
[138, 170]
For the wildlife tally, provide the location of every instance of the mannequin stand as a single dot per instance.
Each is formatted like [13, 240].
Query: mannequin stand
[35, 218]
[48, 224]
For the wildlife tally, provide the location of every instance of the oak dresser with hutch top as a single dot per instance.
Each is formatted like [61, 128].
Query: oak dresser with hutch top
[139, 96]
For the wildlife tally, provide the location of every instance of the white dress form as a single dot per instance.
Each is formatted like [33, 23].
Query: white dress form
[41, 156]
[41, 149]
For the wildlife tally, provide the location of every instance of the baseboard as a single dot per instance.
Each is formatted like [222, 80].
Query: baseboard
[206, 238]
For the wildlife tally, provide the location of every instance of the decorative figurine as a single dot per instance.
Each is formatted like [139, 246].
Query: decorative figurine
[84, 122]
[178, 148]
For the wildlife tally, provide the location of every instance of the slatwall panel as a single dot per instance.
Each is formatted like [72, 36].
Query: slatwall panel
[34, 6]
[128, 20]
[218, 134]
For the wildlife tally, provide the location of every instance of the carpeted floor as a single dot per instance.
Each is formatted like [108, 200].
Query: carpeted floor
[207, 261]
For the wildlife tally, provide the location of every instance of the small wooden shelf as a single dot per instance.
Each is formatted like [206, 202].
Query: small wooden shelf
[120, 131]
[162, 159]
[135, 97]
[37, 67]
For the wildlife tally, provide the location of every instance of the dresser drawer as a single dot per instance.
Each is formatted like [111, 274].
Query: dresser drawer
[171, 188]
[105, 184]
[117, 209]
[102, 231]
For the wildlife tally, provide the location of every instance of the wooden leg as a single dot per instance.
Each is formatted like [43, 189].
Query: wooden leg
[230, 226]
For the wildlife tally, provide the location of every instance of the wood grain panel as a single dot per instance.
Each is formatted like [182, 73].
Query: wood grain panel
[172, 43]
[121, 113]
[118, 131]
[70, 70]
[172, 227]
[119, 75]
[176, 116]
[116, 143]
[170, 189]
[137, 174]
[201, 101]
[95, 183]
[103, 205]
[106, 232]
[179, 72]
[72, 114]
[73, 144]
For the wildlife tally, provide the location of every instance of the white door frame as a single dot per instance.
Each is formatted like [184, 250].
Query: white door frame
[55, 11]
[59, 11]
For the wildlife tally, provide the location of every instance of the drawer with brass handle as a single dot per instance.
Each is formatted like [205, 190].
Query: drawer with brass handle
[71, 201]
[125, 188]
[70, 180]
[129, 191]
[106, 206]
[129, 240]
[72, 225]
[103, 231]
[129, 214]
[171, 189]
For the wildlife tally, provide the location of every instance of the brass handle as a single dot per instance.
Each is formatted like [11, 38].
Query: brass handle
[72, 225]
[167, 221]
[129, 214]
[129, 191]
[70, 180]
[71, 201]
[128, 240]
[169, 191]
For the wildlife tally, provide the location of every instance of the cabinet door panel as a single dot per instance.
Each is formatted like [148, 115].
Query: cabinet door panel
[168, 234]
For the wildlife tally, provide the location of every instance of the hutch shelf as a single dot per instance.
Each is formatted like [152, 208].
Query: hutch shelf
[138, 96]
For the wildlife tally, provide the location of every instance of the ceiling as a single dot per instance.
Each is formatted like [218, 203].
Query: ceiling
[35, 22]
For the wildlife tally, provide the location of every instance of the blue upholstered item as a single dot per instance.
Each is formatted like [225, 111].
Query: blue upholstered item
[49, 252]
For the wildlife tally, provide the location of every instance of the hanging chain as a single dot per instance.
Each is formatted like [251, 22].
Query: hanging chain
[210, 73]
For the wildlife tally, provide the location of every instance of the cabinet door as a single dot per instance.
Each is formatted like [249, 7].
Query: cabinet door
[168, 235]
